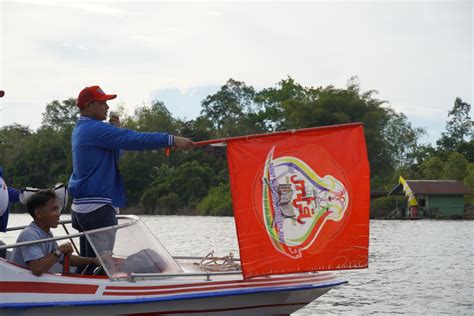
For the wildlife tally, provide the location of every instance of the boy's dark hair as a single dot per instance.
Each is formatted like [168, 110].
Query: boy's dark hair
[39, 199]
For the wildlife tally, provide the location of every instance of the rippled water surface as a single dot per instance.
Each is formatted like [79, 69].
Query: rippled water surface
[415, 267]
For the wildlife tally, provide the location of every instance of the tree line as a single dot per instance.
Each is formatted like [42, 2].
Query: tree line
[196, 182]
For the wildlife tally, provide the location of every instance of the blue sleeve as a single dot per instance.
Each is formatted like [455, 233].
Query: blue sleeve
[111, 137]
[32, 252]
[13, 195]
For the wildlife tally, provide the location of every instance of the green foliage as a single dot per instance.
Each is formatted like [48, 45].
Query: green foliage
[455, 167]
[467, 150]
[198, 130]
[386, 205]
[197, 180]
[402, 139]
[137, 171]
[20, 156]
[432, 168]
[232, 111]
[189, 181]
[469, 183]
[13, 139]
[217, 202]
[458, 127]
[60, 115]
[151, 119]
[291, 105]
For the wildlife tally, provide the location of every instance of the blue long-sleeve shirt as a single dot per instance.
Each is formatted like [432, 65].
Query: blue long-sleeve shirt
[96, 150]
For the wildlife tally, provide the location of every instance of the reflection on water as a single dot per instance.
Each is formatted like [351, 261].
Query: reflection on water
[415, 267]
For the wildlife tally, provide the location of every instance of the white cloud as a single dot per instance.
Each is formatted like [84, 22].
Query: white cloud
[97, 8]
[417, 55]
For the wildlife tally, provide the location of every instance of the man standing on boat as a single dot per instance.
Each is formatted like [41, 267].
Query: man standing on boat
[43, 206]
[96, 184]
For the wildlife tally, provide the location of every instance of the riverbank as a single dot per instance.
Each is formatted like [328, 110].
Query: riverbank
[400, 214]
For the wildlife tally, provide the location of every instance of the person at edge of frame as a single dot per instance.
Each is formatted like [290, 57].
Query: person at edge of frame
[7, 196]
[44, 207]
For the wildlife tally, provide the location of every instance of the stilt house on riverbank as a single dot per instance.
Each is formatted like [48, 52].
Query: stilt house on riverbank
[436, 198]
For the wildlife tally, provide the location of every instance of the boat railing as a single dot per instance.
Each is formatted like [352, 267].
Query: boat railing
[198, 258]
[132, 220]
[69, 236]
[132, 277]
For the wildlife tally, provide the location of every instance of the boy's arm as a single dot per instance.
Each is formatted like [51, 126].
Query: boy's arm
[76, 261]
[42, 265]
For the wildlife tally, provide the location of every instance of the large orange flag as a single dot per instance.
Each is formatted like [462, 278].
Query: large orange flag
[301, 200]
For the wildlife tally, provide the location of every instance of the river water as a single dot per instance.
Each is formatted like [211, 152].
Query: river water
[415, 267]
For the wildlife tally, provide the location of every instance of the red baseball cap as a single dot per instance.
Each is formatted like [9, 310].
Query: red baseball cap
[93, 94]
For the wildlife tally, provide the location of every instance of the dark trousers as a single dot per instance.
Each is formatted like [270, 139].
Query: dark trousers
[103, 241]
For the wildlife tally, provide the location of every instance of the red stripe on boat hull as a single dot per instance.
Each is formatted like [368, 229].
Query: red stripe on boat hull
[45, 287]
[206, 289]
[314, 277]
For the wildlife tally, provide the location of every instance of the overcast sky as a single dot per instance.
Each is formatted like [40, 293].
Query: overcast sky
[418, 55]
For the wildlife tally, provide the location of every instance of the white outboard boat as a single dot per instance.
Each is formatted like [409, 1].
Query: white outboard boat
[301, 207]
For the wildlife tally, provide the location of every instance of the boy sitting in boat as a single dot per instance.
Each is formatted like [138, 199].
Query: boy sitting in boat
[44, 207]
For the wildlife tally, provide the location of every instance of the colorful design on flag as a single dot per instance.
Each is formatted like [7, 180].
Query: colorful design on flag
[408, 192]
[297, 202]
[301, 200]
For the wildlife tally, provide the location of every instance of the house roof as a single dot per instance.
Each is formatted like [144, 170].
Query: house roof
[433, 187]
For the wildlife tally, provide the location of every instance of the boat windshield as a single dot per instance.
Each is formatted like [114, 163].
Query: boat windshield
[130, 247]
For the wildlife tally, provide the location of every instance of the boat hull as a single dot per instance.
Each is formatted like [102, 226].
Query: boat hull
[271, 303]
[22, 293]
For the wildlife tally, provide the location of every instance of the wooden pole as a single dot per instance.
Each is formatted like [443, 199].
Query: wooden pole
[289, 132]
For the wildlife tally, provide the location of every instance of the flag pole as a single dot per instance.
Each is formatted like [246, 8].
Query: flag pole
[288, 132]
